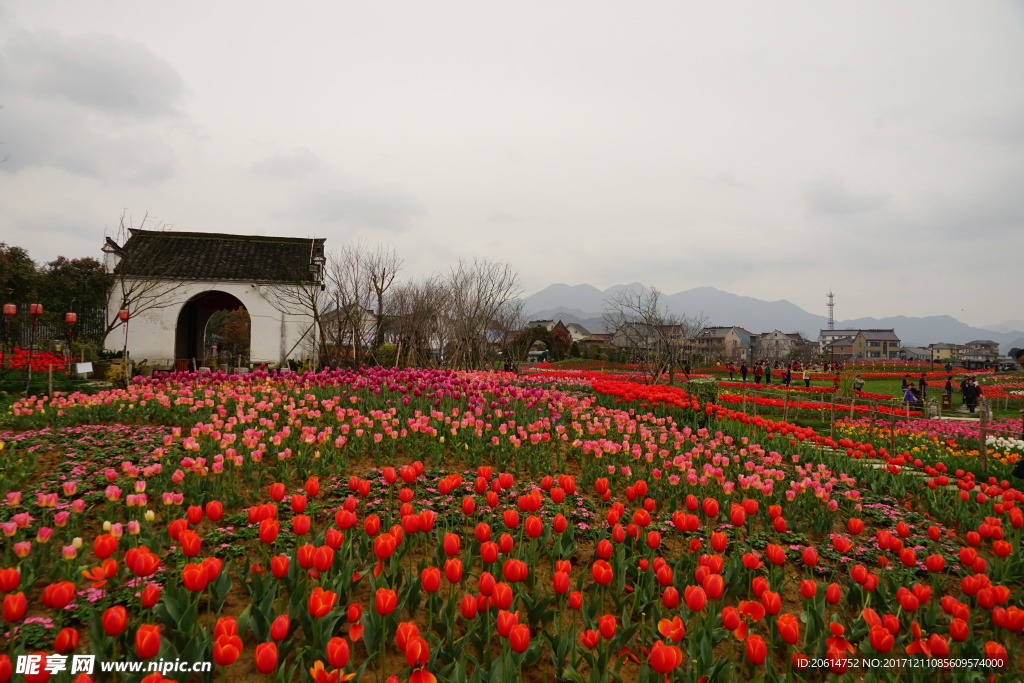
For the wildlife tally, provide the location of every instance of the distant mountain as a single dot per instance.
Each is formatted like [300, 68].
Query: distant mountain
[584, 304]
[1008, 326]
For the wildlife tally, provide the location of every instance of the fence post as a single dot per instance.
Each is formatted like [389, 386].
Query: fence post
[49, 379]
[853, 399]
[983, 436]
[785, 409]
[832, 420]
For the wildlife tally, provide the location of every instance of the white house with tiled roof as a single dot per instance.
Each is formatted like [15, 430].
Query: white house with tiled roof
[171, 284]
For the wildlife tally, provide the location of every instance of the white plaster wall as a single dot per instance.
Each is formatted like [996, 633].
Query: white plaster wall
[151, 334]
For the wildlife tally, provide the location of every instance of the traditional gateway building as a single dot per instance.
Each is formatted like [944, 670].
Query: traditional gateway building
[171, 283]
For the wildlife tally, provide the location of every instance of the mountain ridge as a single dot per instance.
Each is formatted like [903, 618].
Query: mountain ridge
[584, 304]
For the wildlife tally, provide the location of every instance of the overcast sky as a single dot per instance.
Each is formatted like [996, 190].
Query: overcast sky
[770, 149]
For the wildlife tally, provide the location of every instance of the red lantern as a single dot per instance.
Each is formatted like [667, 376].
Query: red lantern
[70, 317]
[35, 309]
[123, 315]
[10, 310]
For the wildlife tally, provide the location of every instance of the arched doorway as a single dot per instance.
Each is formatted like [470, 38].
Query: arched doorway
[190, 332]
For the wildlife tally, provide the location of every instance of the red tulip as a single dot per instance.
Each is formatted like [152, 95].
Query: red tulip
[505, 621]
[301, 525]
[695, 598]
[664, 658]
[502, 595]
[266, 657]
[277, 492]
[789, 628]
[775, 554]
[833, 594]
[468, 607]
[670, 597]
[9, 580]
[533, 526]
[881, 640]
[730, 618]
[602, 572]
[150, 595]
[194, 514]
[312, 487]
[430, 579]
[142, 562]
[606, 625]
[519, 638]
[214, 510]
[337, 652]
[321, 602]
[104, 545]
[384, 546]
[279, 627]
[453, 570]
[385, 601]
[756, 650]
[935, 563]
[193, 577]
[714, 586]
[269, 529]
[417, 652]
[590, 638]
[710, 507]
[66, 641]
[114, 620]
[58, 595]
[772, 602]
[810, 557]
[226, 649]
[995, 651]
[147, 641]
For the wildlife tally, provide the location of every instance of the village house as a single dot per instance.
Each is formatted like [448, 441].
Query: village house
[725, 343]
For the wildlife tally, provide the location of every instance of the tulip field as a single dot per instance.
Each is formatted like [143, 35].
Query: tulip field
[414, 525]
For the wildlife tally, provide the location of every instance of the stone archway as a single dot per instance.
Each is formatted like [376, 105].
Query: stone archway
[190, 331]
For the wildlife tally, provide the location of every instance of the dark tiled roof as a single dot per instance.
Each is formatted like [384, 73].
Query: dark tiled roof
[216, 256]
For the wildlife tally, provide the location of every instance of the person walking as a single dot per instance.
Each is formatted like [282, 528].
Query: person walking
[767, 373]
[972, 392]
[757, 373]
[743, 371]
[732, 369]
[807, 376]
[922, 386]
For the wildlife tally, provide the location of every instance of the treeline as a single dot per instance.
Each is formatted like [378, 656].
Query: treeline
[60, 285]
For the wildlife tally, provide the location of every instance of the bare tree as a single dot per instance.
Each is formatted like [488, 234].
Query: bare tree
[658, 340]
[359, 277]
[476, 293]
[383, 265]
[412, 322]
[140, 279]
[511, 323]
[349, 291]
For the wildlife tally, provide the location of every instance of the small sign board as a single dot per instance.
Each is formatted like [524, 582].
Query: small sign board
[83, 368]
